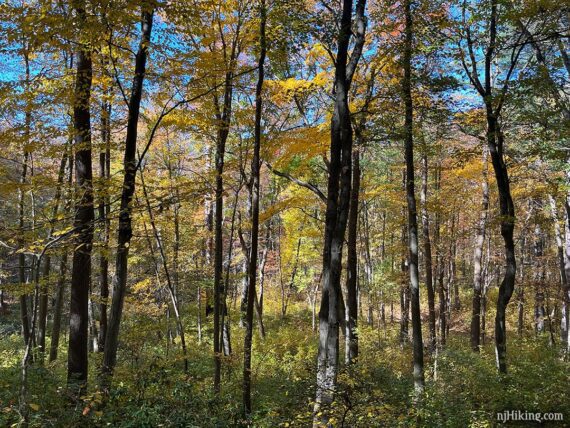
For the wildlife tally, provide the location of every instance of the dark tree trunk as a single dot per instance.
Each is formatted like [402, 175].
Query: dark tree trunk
[338, 199]
[477, 260]
[494, 101]
[507, 210]
[223, 116]
[83, 223]
[124, 232]
[104, 217]
[418, 350]
[255, 166]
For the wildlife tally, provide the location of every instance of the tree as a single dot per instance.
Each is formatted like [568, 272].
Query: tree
[255, 166]
[77, 360]
[125, 231]
[477, 260]
[494, 98]
[418, 355]
[338, 200]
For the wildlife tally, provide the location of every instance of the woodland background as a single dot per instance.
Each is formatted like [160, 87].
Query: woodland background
[283, 213]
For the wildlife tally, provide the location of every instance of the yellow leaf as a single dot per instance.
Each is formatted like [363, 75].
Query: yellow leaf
[34, 407]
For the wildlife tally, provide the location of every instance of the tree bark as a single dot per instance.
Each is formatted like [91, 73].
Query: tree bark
[338, 199]
[104, 217]
[60, 288]
[223, 116]
[538, 278]
[352, 265]
[125, 232]
[21, 206]
[427, 253]
[562, 262]
[255, 166]
[84, 215]
[418, 356]
[477, 259]
[439, 262]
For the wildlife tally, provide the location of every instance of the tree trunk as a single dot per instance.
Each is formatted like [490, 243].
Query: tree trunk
[223, 116]
[439, 263]
[338, 199]
[352, 264]
[104, 217]
[418, 356]
[255, 166]
[22, 257]
[125, 231]
[84, 215]
[477, 260]
[427, 252]
[567, 269]
[562, 262]
[507, 211]
[42, 315]
[58, 307]
[60, 288]
[538, 279]
[520, 288]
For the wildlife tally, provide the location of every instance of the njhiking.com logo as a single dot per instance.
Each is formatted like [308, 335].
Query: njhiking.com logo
[524, 416]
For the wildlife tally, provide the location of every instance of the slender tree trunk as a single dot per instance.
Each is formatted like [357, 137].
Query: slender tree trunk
[439, 263]
[352, 264]
[418, 350]
[104, 217]
[93, 335]
[44, 287]
[57, 310]
[224, 118]
[21, 220]
[255, 166]
[495, 141]
[567, 270]
[427, 253]
[84, 215]
[477, 259]
[404, 285]
[60, 288]
[562, 262]
[125, 231]
[538, 278]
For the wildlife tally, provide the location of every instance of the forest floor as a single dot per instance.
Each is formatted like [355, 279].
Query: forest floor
[151, 389]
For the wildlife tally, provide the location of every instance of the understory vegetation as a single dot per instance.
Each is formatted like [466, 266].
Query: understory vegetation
[462, 388]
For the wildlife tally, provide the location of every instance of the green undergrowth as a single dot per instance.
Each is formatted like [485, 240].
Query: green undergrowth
[150, 387]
